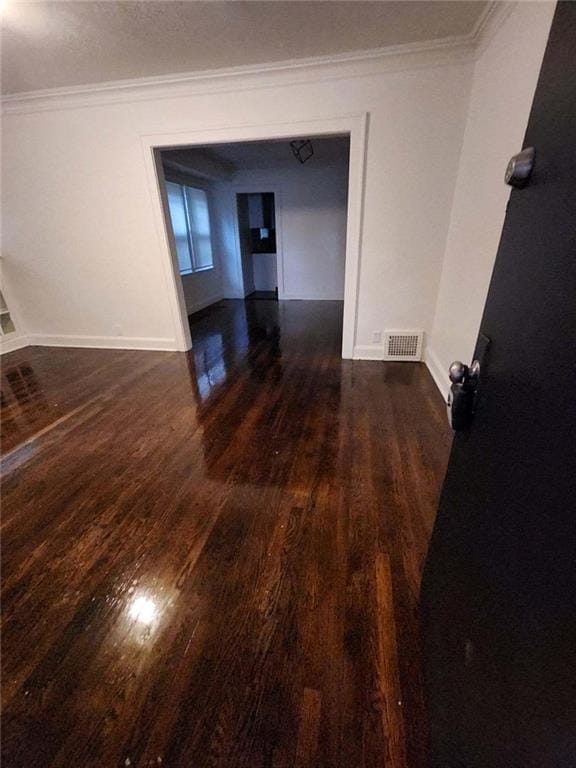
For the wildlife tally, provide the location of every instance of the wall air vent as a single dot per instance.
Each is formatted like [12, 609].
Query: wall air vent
[403, 345]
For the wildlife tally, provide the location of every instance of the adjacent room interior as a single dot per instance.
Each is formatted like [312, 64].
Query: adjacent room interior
[258, 220]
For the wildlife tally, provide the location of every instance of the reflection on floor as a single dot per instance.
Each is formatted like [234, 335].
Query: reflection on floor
[213, 558]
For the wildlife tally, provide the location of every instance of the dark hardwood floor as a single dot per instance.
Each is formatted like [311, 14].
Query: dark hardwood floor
[262, 295]
[214, 558]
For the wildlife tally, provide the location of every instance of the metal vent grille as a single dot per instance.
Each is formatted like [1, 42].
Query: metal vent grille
[403, 345]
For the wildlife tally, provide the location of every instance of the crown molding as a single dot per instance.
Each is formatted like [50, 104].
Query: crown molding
[354, 64]
[343, 66]
[490, 22]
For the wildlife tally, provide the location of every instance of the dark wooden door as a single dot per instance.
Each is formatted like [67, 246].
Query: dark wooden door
[499, 589]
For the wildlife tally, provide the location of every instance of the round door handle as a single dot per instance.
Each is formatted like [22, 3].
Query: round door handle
[465, 375]
[458, 372]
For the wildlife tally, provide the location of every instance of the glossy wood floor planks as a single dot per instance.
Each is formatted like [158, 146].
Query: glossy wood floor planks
[213, 558]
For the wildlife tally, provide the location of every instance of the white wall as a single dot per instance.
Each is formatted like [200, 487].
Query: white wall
[79, 233]
[503, 87]
[265, 272]
[225, 239]
[202, 289]
[310, 225]
[243, 248]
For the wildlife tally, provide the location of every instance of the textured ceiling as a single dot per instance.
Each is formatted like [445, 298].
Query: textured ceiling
[57, 44]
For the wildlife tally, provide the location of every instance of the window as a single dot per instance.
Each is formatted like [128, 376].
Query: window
[6, 322]
[191, 226]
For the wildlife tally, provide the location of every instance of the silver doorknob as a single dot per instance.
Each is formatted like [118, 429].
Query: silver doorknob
[458, 372]
[464, 374]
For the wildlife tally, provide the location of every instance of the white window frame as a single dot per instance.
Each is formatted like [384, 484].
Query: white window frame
[194, 268]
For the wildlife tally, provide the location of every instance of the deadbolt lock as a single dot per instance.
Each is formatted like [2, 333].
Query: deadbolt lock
[520, 167]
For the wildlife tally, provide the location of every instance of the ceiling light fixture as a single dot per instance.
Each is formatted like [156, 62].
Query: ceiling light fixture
[302, 149]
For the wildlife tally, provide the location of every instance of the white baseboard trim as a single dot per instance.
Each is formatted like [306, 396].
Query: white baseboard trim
[376, 352]
[292, 297]
[203, 304]
[103, 342]
[12, 343]
[368, 352]
[438, 371]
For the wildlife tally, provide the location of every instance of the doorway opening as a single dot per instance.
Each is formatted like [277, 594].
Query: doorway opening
[258, 221]
[163, 149]
[257, 237]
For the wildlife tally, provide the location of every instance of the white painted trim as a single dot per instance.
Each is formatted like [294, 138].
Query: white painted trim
[366, 63]
[44, 101]
[384, 53]
[438, 372]
[12, 342]
[197, 306]
[166, 247]
[354, 225]
[309, 297]
[368, 352]
[353, 124]
[378, 352]
[102, 342]
[491, 21]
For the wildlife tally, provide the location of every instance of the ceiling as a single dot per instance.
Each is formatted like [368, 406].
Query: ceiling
[261, 155]
[60, 44]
